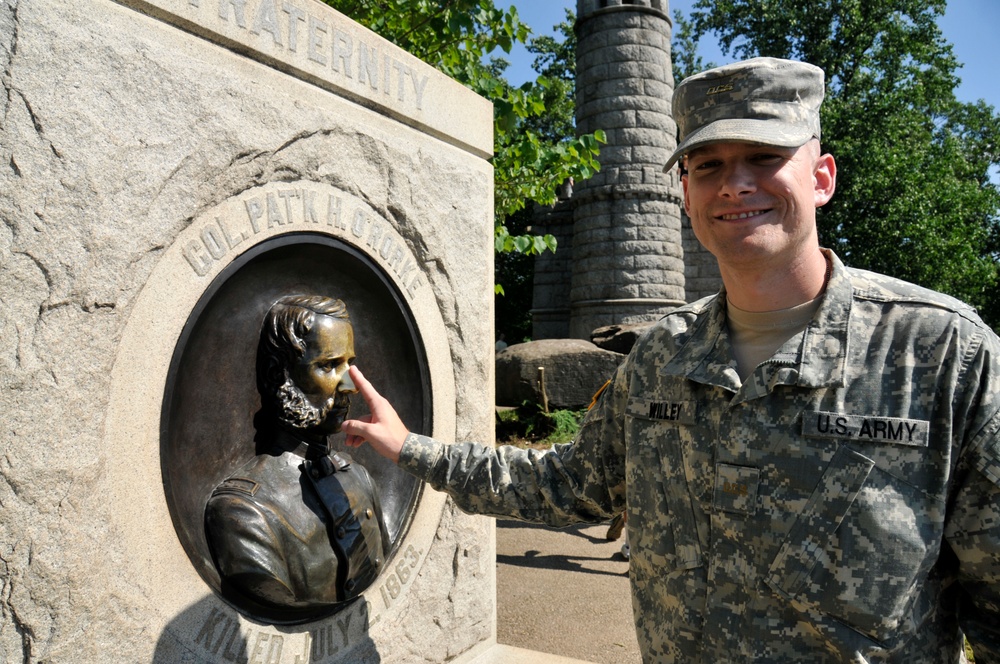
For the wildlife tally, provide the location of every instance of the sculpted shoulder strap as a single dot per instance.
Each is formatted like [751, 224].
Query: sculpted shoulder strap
[237, 485]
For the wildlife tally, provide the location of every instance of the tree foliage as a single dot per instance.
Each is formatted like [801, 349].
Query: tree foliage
[555, 60]
[684, 55]
[914, 195]
[462, 38]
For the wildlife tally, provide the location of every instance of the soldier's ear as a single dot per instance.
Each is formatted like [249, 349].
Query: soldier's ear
[684, 186]
[824, 179]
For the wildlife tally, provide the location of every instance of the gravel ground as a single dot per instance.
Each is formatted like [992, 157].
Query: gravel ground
[564, 592]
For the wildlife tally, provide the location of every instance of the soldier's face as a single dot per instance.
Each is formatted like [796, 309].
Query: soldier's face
[321, 373]
[755, 205]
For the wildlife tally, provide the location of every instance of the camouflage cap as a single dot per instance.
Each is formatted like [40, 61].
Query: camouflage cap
[763, 100]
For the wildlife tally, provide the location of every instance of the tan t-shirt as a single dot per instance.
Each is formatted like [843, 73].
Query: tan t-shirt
[756, 335]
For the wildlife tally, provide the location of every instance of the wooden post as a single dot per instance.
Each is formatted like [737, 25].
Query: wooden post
[541, 387]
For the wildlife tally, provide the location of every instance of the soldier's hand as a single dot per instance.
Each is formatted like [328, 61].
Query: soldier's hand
[383, 429]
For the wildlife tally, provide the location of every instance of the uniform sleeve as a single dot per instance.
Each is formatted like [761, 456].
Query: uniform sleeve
[582, 481]
[973, 525]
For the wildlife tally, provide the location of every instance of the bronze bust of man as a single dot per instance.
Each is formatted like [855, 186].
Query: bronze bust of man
[298, 528]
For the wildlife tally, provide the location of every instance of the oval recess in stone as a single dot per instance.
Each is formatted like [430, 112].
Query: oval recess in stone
[211, 399]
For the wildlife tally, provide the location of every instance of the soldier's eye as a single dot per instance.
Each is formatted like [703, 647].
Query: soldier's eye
[706, 165]
[767, 159]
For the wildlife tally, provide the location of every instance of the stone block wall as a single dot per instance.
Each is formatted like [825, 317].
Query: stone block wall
[147, 148]
[627, 259]
[701, 270]
[553, 272]
[631, 259]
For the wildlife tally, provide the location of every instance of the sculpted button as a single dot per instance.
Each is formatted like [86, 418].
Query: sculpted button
[341, 533]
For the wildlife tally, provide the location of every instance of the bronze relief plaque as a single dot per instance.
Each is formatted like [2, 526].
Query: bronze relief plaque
[216, 432]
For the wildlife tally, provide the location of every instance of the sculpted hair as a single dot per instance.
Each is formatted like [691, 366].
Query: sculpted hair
[282, 339]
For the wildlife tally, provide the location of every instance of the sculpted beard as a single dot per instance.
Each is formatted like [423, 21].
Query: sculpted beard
[296, 409]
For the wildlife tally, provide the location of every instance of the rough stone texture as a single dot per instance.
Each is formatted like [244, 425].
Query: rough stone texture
[618, 338]
[574, 370]
[553, 272]
[122, 135]
[701, 270]
[584, 6]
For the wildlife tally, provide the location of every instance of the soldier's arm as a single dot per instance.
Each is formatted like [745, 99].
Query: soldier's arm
[382, 429]
[973, 533]
[581, 481]
[972, 530]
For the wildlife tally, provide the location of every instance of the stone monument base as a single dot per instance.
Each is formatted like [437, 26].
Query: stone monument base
[501, 654]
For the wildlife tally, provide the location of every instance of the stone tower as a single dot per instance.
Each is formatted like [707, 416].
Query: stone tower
[625, 253]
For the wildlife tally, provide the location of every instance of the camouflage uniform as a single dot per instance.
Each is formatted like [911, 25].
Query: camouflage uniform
[842, 504]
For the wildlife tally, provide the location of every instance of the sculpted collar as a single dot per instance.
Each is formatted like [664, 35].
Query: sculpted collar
[301, 444]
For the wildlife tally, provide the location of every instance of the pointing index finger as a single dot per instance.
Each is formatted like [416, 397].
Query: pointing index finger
[364, 387]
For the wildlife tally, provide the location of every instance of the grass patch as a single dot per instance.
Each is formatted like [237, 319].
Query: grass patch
[528, 426]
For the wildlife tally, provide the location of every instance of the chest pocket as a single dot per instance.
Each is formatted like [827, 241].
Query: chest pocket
[856, 551]
[662, 508]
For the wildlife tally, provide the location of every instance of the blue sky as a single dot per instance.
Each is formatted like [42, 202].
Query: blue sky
[970, 26]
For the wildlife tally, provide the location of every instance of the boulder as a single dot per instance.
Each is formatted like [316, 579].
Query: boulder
[574, 370]
[619, 338]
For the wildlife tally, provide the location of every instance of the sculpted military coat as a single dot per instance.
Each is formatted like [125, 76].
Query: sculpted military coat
[841, 504]
[286, 543]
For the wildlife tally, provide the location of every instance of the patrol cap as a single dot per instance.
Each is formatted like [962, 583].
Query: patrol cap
[764, 100]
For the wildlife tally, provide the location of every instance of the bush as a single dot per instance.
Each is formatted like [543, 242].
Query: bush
[528, 426]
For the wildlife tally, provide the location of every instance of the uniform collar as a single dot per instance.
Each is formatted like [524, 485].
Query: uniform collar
[815, 358]
[824, 345]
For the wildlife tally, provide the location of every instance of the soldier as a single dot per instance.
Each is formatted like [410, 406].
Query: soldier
[809, 460]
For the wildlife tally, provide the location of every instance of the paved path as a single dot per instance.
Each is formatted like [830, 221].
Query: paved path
[564, 592]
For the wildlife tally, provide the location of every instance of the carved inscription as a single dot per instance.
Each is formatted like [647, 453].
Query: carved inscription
[297, 30]
[223, 639]
[298, 208]
[399, 577]
[222, 636]
[326, 641]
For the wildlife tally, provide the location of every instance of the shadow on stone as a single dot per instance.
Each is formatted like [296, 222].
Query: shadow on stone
[210, 632]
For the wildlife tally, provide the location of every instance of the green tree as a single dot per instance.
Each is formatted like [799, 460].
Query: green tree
[914, 195]
[684, 49]
[555, 62]
[461, 38]
[516, 271]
